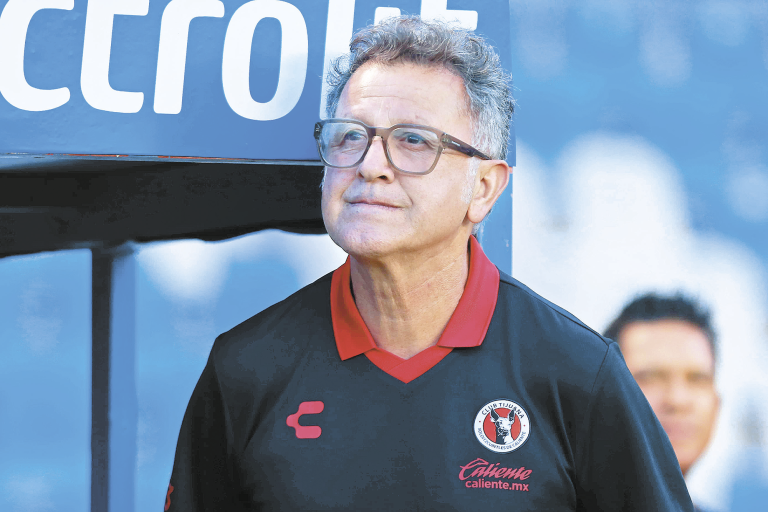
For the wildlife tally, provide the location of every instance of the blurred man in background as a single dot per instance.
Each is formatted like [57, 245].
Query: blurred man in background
[669, 346]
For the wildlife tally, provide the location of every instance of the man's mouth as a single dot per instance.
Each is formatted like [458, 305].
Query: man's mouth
[679, 431]
[372, 202]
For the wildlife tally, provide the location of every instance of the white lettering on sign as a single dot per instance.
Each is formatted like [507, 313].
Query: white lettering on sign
[172, 56]
[383, 13]
[94, 75]
[438, 9]
[14, 22]
[341, 17]
[235, 67]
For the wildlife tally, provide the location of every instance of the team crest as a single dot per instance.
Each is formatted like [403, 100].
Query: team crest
[502, 426]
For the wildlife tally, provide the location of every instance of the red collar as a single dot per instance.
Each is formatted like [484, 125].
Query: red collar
[466, 328]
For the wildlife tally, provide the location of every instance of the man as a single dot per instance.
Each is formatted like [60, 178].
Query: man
[416, 376]
[669, 346]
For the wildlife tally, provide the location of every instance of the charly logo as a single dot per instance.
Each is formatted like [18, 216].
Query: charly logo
[502, 426]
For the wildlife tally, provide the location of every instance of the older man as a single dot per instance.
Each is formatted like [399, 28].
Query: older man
[416, 376]
[668, 344]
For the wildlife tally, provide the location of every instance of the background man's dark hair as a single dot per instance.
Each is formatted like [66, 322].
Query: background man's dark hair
[651, 307]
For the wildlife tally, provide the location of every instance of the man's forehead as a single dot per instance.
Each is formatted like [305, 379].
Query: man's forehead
[666, 340]
[404, 92]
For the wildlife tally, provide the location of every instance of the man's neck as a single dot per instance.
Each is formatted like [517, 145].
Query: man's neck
[407, 302]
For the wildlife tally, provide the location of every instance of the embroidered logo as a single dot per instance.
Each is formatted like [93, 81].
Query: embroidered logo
[502, 426]
[308, 432]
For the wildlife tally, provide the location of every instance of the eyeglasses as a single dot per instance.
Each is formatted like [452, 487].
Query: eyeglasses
[410, 148]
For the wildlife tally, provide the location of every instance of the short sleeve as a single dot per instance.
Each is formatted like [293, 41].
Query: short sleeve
[204, 475]
[624, 460]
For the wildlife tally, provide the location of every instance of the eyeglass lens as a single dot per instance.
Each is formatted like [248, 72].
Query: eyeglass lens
[410, 149]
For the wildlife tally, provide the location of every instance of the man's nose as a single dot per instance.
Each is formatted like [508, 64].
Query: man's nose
[375, 164]
[678, 395]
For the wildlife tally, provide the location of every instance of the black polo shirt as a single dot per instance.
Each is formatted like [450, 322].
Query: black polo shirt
[519, 406]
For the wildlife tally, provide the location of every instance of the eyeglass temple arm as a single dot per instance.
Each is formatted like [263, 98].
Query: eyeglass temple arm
[463, 148]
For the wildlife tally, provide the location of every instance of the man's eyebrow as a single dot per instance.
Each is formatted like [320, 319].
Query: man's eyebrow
[414, 118]
[415, 121]
[653, 371]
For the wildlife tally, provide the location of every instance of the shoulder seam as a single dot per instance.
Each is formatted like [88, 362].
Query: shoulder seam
[287, 301]
[590, 405]
[511, 281]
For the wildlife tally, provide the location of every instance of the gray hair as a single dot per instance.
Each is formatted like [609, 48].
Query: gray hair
[435, 43]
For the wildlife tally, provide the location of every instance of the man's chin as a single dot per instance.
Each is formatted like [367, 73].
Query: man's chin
[367, 245]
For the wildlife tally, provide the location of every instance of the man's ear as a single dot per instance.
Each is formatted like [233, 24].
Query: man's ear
[491, 180]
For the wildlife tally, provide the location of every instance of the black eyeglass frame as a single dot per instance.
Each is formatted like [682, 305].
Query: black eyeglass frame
[446, 141]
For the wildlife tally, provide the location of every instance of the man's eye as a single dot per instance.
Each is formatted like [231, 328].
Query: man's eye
[650, 376]
[350, 139]
[413, 139]
[354, 136]
[700, 378]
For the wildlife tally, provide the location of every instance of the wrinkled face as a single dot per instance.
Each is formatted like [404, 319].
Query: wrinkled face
[372, 210]
[674, 366]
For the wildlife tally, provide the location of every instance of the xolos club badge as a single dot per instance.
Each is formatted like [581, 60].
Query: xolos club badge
[502, 426]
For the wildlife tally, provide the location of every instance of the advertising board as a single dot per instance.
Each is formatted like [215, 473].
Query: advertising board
[226, 79]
